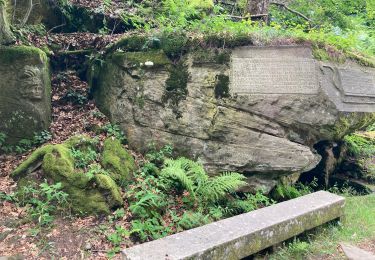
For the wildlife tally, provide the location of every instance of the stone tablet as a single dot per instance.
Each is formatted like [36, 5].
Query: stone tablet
[274, 70]
[350, 87]
[25, 106]
[357, 83]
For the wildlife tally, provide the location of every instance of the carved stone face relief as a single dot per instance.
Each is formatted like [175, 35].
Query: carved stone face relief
[31, 83]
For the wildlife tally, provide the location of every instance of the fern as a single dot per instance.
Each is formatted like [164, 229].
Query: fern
[176, 169]
[193, 178]
[147, 204]
[216, 188]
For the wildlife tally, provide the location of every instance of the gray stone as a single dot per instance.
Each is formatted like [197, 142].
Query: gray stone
[355, 253]
[260, 114]
[274, 71]
[244, 235]
[25, 106]
[350, 86]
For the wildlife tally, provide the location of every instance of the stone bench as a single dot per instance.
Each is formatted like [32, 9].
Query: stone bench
[246, 234]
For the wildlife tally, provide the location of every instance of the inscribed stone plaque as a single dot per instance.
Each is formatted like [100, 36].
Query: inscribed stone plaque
[357, 83]
[281, 70]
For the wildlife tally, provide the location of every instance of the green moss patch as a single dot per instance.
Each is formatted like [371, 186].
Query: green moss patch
[222, 86]
[91, 190]
[157, 57]
[176, 86]
[117, 161]
[8, 55]
[216, 56]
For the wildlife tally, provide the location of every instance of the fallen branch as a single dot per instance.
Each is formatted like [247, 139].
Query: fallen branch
[247, 16]
[291, 10]
[53, 28]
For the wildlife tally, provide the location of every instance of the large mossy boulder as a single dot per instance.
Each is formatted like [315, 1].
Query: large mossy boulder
[25, 92]
[91, 192]
[254, 110]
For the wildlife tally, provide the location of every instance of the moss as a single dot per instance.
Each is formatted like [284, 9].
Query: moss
[88, 201]
[217, 56]
[174, 45]
[351, 122]
[35, 158]
[117, 161]
[158, 57]
[59, 165]
[105, 183]
[80, 141]
[328, 54]
[10, 54]
[89, 194]
[222, 86]
[176, 86]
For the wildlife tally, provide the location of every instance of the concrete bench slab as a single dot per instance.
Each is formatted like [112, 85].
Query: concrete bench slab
[246, 234]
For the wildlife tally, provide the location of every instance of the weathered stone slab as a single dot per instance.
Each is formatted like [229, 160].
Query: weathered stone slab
[355, 253]
[25, 106]
[357, 83]
[244, 235]
[350, 87]
[274, 71]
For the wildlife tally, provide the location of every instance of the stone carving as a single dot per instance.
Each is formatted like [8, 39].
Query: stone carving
[280, 74]
[281, 103]
[350, 87]
[24, 93]
[31, 83]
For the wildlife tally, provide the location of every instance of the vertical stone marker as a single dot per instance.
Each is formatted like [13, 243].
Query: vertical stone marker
[25, 104]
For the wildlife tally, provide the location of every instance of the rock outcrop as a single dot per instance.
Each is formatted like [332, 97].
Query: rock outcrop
[25, 90]
[257, 111]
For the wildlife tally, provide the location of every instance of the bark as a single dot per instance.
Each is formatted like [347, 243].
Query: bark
[258, 8]
[6, 36]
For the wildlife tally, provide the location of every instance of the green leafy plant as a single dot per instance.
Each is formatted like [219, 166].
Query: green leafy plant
[191, 177]
[25, 145]
[115, 131]
[116, 238]
[83, 158]
[76, 97]
[42, 137]
[2, 139]
[151, 228]
[360, 146]
[42, 201]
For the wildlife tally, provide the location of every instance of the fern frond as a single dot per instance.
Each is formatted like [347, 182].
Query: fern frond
[217, 187]
[175, 169]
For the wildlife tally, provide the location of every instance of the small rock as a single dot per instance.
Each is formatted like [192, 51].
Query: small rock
[149, 64]
[88, 246]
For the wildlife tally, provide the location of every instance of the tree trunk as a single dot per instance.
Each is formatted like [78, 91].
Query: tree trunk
[6, 36]
[258, 9]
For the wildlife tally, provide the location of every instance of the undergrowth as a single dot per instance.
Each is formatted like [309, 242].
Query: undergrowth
[170, 195]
